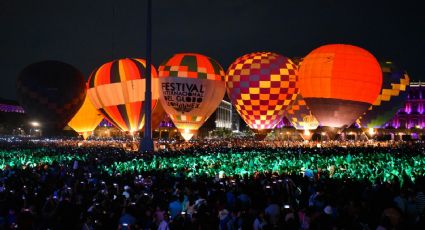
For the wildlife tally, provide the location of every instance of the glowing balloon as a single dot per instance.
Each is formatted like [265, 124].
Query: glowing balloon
[390, 100]
[51, 92]
[300, 115]
[339, 83]
[261, 86]
[192, 86]
[306, 135]
[86, 119]
[158, 115]
[283, 123]
[117, 90]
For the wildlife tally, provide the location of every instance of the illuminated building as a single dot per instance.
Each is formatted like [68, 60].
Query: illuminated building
[412, 114]
[223, 115]
[12, 117]
[220, 121]
[236, 120]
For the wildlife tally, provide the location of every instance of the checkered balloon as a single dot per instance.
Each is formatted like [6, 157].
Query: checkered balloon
[392, 97]
[51, 92]
[300, 115]
[261, 86]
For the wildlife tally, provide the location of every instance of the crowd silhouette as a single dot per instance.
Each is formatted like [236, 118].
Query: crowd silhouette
[60, 184]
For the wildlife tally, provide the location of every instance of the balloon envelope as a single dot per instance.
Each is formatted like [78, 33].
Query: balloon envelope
[300, 115]
[86, 119]
[192, 86]
[158, 115]
[283, 123]
[117, 90]
[339, 83]
[390, 100]
[261, 86]
[51, 92]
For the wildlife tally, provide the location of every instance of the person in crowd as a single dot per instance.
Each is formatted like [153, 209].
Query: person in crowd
[58, 184]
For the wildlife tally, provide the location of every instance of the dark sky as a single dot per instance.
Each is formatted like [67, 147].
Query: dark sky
[87, 33]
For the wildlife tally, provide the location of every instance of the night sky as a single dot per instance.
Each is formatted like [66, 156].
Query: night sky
[87, 33]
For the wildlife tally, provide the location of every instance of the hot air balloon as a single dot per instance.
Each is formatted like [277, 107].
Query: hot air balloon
[339, 83]
[192, 86]
[117, 90]
[51, 92]
[261, 86]
[284, 123]
[86, 119]
[391, 98]
[158, 115]
[300, 115]
[301, 118]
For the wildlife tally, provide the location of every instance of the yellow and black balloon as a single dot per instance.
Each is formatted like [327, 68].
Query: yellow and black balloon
[391, 98]
[300, 115]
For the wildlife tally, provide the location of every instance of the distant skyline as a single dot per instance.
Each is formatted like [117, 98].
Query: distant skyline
[87, 34]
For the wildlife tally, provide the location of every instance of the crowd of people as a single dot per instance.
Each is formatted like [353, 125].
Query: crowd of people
[62, 184]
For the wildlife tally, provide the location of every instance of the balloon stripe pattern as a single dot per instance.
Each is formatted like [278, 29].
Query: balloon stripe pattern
[117, 90]
[261, 86]
[186, 118]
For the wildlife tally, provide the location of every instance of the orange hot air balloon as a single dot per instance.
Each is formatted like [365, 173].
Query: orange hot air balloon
[86, 119]
[192, 86]
[339, 83]
[261, 86]
[158, 115]
[117, 90]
